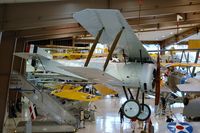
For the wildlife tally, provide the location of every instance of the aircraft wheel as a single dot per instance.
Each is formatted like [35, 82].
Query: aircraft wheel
[185, 101]
[144, 114]
[131, 108]
[86, 114]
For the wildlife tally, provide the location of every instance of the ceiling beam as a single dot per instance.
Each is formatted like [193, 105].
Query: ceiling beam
[151, 42]
[180, 36]
[54, 32]
[30, 15]
[187, 17]
[71, 27]
[166, 22]
[54, 36]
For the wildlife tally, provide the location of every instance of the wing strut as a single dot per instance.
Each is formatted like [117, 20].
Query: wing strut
[138, 92]
[114, 44]
[125, 92]
[131, 95]
[196, 60]
[93, 47]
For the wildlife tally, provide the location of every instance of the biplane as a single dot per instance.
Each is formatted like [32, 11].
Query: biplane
[137, 71]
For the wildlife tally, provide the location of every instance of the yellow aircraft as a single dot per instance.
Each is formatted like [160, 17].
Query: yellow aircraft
[69, 91]
[177, 64]
[75, 54]
[104, 90]
[75, 95]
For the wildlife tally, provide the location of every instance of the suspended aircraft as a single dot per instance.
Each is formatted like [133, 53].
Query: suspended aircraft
[191, 97]
[81, 93]
[75, 56]
[179, 81]
[137, 71]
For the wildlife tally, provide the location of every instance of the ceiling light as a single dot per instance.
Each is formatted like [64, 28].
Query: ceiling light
[180, 29]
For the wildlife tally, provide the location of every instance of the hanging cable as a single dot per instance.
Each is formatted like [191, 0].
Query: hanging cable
[140, 2]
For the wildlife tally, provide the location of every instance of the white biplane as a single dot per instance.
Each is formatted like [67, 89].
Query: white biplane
[138, 71]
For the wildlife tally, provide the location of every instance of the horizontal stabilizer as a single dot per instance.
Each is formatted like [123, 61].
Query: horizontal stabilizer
[47, 64]
[27, 55]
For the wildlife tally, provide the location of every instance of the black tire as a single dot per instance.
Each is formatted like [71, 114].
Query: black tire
[185, 101]
[86, 114]
[125, 107]
[147, 115]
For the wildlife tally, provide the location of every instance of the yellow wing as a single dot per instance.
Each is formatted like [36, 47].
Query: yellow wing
[180, 64]
[66, 87]
[74, 95]
[74, 56]
[104, 90]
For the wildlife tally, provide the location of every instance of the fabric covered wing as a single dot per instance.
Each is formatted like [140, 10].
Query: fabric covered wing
[94, 75]
[94, 20]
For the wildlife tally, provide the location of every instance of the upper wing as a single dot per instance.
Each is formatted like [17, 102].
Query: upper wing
[94, 75]
[112, 21]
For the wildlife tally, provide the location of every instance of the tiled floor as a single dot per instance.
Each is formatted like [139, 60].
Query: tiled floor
[108, 121]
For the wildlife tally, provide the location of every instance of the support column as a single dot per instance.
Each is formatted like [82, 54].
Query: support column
[7, 46]
[162, 48]
[196, 60]
[19, 62]
[157, 95]
[19, 67]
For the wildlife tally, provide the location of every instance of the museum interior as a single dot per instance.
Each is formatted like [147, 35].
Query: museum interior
[99, 66]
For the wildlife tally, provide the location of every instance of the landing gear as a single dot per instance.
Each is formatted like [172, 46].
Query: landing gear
[145, 113]
[131, 108]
